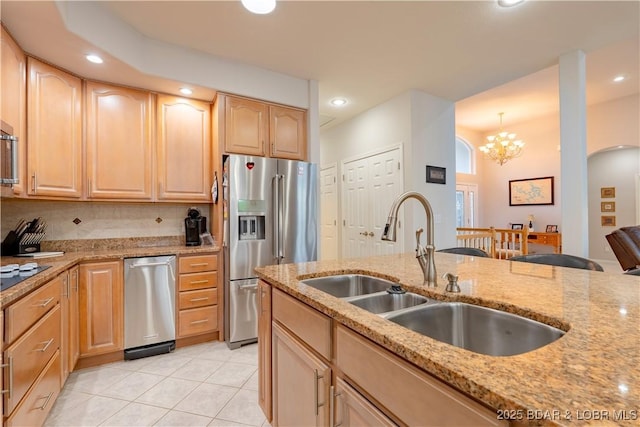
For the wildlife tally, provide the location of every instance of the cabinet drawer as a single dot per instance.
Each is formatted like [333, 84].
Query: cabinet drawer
[27, 311]
[189, 282]
[197, 320]
[308, 324]
[196, 264]
[395, 384]
[29, 355]
[35, 407]
[199, 298]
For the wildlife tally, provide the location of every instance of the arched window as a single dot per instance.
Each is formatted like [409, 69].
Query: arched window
[465, 159]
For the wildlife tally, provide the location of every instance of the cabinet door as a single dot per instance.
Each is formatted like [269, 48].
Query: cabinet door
[184, 149]
[101, 308]
[300, 383]
[264, 348]
[13, 86]
[245, 126]
[287, 133]
[119, 148]
[74, 319]
[54, 132]
[351, 409]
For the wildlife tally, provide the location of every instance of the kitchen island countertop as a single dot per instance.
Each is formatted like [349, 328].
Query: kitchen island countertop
[589, 376]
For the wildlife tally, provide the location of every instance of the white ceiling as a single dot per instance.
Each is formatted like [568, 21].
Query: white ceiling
[486, 58]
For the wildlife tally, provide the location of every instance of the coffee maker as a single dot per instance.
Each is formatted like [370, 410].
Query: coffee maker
[194, 225]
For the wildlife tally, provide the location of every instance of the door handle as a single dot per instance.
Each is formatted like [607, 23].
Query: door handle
[316, 379]
[9, 390]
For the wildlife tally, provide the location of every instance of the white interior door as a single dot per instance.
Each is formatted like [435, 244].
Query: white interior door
[329, 212]
[354, 207]
[386, 185]
[370, 186]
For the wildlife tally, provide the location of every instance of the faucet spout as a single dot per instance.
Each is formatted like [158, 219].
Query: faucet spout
[425, 255]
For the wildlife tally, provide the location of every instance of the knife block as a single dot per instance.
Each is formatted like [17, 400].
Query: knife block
[29, 248]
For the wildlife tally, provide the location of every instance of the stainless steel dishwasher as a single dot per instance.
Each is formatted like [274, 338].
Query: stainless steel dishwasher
[149, 306]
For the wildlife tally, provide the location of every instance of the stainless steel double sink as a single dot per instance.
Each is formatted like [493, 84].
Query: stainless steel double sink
[475, 328]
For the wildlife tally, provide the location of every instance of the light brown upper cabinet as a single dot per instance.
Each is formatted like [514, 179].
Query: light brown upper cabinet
[13, 87]
[261, 129]
[245, 126]
[119, 144]
[54, 132]
[183, 149]
[287, 133]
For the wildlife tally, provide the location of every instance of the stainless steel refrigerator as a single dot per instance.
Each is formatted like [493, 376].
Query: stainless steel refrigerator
[270, 217]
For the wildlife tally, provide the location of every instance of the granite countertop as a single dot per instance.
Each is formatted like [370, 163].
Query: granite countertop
[61, 263]
[589, 376]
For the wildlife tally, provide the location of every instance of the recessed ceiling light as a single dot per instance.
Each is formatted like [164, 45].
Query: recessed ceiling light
[618, 79]
[186, 91]
[94, 58]
[509, 3]
[260, 7]
[338, 102]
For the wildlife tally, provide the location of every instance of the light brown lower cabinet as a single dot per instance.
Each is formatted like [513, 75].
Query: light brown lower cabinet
[101, 301]
[369, 386]
[301, 383]
[351, 409]
[34, 408]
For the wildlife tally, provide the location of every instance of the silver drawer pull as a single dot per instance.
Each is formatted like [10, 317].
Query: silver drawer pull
[195, 322]
[196, 282]
[46, 402]
[8, 391]
[46, 346]
[46, 302]
[199, 264]
[198, 299]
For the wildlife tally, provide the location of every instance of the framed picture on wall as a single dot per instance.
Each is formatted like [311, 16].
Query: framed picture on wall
[608, 221]
[607, 206]
[532, 191]
[608, 192]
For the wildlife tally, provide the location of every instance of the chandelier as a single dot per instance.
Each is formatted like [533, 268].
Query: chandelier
[503, 146]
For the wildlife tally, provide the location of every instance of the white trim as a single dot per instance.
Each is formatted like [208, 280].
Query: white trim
[374, 153]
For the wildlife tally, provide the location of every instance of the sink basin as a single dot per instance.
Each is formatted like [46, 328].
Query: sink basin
[478, 329]
[348, 285]
[385, 302]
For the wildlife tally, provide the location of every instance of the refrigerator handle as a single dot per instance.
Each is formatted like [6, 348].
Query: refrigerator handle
[281, 210]
[276, 235]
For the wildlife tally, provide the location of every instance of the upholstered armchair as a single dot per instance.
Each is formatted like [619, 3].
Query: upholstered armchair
[625, 244]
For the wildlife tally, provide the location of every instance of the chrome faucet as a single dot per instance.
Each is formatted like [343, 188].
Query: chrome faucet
[424, 255]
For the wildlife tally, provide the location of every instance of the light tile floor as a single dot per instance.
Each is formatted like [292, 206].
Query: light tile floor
[201, 385]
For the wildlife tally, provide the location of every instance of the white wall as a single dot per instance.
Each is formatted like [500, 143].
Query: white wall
[540, 158]
[616, 168]
[608, 125]
[424, 126]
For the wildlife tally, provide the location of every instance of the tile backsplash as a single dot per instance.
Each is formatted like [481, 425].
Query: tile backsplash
[99, 220]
